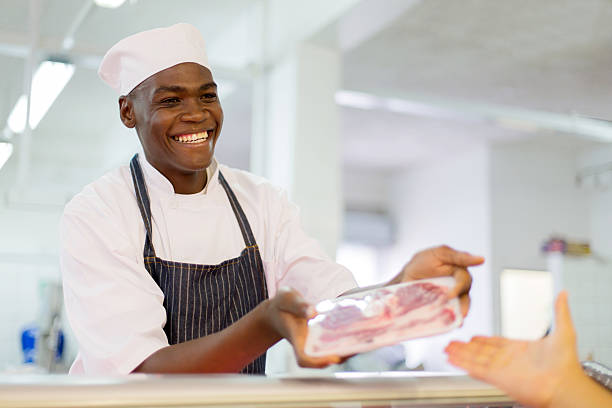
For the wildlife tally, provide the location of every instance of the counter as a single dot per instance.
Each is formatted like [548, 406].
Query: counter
[392, 389]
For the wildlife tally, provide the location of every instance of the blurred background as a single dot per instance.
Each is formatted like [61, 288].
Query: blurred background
[394, 124]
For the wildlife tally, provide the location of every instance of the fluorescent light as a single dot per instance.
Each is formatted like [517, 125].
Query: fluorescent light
[6, 149]
[413, 108]
[16, 120]
[109, 3]
[357, 100]
[362, 100]
[68, 43]
[519, 124]
[47, 83]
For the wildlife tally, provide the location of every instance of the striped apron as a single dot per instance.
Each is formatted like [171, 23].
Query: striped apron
[204, 299]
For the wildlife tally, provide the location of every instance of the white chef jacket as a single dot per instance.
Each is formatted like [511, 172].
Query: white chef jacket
[114, 306]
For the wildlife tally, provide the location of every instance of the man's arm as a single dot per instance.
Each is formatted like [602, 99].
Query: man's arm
[227, 351]
[231, 349]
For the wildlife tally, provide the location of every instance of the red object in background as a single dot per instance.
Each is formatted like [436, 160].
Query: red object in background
[555, 245]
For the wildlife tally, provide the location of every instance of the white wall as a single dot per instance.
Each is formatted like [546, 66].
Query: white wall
[446, 201]
[365, 189]
[502, 201]
[28, 258]
[533, 196]
[598, 189]
[589, 281]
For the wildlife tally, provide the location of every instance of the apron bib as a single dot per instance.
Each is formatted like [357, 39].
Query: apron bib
[204, 299]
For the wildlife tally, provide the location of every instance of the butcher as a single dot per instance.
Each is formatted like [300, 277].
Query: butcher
[176, 263]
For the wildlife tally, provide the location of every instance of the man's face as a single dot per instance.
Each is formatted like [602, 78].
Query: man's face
[178, 118]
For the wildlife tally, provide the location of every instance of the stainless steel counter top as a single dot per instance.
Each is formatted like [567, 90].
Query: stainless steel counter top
[340, 390]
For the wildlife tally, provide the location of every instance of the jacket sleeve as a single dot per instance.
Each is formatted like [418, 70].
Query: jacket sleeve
[299, 261]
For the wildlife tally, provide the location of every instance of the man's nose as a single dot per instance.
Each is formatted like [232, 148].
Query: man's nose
[194, 112]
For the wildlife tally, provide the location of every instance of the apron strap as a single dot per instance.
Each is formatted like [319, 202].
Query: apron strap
[142, 197]
[245, 228]
[144, 204]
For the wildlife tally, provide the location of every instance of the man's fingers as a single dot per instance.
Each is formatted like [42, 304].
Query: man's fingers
[464, 304]
[300, 309]
[451, 256]
[304, 360]
[343, 359]
[463, 282]
[291, 301]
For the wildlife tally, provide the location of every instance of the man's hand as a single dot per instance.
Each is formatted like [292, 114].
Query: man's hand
[543, 373]
[442, 261]
[288, 315]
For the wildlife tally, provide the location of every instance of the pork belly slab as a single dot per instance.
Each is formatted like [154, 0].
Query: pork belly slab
[380, 317]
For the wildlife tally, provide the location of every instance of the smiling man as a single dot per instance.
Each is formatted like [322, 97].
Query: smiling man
[178, 118]
[179, 264]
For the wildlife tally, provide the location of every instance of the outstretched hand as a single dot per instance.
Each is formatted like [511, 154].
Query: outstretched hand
[529, 371]
[442, 261]
[288, 314]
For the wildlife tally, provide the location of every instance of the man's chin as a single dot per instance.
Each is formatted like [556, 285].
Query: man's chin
[196, 165]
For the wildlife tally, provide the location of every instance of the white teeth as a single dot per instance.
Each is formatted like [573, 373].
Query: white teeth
[192, 138]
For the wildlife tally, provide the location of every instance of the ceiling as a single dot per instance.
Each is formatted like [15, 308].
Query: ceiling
[545, 55]
[553, 55]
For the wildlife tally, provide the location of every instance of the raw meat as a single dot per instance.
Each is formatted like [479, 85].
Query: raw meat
[364, 321]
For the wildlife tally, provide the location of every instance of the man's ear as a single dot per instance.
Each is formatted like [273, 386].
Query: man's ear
[126, 111]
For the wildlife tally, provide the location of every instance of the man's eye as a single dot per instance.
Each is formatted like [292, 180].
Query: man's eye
[170, 100]
[209, 96]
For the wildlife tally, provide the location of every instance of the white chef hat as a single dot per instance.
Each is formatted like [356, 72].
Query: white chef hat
[137, 57]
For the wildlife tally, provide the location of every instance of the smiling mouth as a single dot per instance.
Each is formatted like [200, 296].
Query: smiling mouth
[191, 138]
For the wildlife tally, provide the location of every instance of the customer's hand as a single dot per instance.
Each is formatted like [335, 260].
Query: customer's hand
[288, 315]
[532, 372]
[442, 261]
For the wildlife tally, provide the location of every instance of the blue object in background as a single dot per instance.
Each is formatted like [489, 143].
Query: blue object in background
[29, 337]
[60, 345]
[28, 343]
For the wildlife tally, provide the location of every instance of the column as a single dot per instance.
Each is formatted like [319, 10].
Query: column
[296, 141]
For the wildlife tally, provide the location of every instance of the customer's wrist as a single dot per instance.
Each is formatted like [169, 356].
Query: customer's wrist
[565, 388]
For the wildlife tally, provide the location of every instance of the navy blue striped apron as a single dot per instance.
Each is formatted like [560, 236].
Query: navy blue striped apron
[204, 299]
